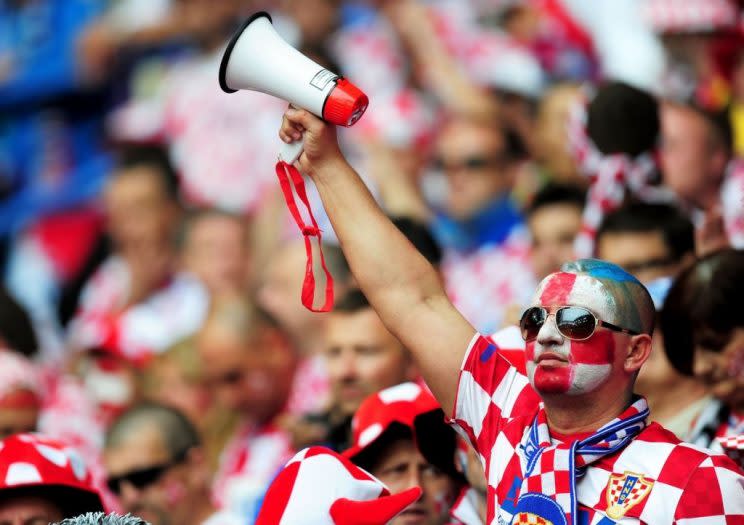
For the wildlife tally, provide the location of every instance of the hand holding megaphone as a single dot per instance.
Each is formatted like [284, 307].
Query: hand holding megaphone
[258, 59]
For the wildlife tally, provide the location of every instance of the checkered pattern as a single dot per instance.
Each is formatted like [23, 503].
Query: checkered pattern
[495, 408]
[680, 16]
[733, 447]
[493, 275]
[248, 463]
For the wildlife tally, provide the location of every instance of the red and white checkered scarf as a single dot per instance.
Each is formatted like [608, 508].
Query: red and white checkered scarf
[610, 177]
[568, 461]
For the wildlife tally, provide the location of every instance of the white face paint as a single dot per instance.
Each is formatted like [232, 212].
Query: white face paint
[558, 365]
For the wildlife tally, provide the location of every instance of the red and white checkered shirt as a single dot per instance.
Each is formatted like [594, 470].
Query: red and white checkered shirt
[248, 464]
[492, 275]
[655, 479]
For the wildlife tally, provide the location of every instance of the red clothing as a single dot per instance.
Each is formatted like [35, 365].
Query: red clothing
[667, 481]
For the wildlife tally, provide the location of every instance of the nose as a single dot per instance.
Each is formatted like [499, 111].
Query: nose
[348, 365]
[549, 334]
[129, 495]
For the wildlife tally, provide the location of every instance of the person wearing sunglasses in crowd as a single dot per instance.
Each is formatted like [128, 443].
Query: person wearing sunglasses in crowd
[157, 468]
[569, 441]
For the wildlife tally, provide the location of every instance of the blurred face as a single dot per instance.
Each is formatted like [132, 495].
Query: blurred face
[553, 229]
[17, 419]
[28, 510]
[175, 389]
[217, 253]
[147, 480]
[400, 467]
[551, 138]
[138, 210]
[692, 167]
[279, 292]
[472, 159]
[719, 363]
[253, 377]
[362, 357]
[643, 254]
[559, 365]
[316, 18]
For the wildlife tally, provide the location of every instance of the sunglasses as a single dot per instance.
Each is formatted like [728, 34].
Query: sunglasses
[573, 322]
[145, 477]
[474, 163]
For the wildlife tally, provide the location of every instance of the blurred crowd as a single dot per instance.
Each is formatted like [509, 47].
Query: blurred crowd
[150, 318]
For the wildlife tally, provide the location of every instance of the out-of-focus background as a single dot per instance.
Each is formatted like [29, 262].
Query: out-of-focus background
[146, 252]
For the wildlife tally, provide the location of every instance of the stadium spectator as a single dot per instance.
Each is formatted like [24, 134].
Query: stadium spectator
[654, 242]
[43, 481]
[249, 365]
[157, 468]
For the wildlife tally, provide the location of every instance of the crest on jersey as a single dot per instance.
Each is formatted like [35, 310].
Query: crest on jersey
[625, 491]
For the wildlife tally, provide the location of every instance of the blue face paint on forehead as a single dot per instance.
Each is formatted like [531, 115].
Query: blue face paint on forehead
[630, 300]
[600, 270]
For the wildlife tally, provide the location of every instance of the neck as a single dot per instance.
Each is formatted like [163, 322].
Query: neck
[204, 509]
[666, 400]
[584, 413]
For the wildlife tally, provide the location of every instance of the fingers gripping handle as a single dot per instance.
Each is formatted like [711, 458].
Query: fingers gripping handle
[289, 153]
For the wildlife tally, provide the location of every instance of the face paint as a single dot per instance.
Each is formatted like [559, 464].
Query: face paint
[575, 367]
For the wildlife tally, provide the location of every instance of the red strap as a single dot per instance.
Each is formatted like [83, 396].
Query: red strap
[288, 177]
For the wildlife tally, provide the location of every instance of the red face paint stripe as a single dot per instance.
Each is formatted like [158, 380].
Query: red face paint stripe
[557, 290]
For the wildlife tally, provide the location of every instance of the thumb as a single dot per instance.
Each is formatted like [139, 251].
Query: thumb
[373, 512]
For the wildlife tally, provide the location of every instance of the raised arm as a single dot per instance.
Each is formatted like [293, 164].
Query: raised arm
[401, 285]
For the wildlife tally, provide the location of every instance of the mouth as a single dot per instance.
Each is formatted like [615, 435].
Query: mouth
[551, 359]
[413, 515]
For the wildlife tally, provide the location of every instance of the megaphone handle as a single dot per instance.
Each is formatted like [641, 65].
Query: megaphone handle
[289, 153]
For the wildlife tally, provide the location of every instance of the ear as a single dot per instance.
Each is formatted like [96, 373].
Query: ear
[639, 350]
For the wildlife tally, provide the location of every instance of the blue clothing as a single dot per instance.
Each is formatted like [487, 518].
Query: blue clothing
[490, 226]
[51, 124]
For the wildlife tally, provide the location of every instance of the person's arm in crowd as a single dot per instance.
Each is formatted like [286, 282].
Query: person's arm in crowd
[399, 283]
[449, 83]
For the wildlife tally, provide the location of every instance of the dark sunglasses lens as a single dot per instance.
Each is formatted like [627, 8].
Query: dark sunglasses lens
[575, 323]
[476, 163]
[531, 322]
[140, 479]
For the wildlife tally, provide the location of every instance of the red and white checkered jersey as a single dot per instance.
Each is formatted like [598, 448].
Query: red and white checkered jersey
[248, 464]
[492, 275]
[170, 314]
[655, 479]
[465, 509]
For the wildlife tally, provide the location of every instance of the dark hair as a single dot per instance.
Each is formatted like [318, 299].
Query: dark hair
[133, 156]
[354, 301]
[555, 193]
[676, 228]
[623, 119]
[15, 326]
[178, 433]
[705, 296]
[70, 501]
[420, 236]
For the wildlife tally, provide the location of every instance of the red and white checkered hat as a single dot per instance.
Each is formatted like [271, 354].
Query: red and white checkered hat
[320, 487]
[50, 468]
[410, 409]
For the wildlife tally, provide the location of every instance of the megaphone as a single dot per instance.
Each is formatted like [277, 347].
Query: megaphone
[258, 59]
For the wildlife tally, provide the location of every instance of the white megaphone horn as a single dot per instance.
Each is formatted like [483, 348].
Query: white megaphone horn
[258, 59]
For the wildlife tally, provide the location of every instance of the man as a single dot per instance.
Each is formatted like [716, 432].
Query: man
[586, 336]
[698, 163]
[654, 242]
[136, 301]
[478, 225]
[43, 481]
[400, 437]
[249, 365]
[214, 248]
[362, 357]
[158, 469]
[554, 219]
